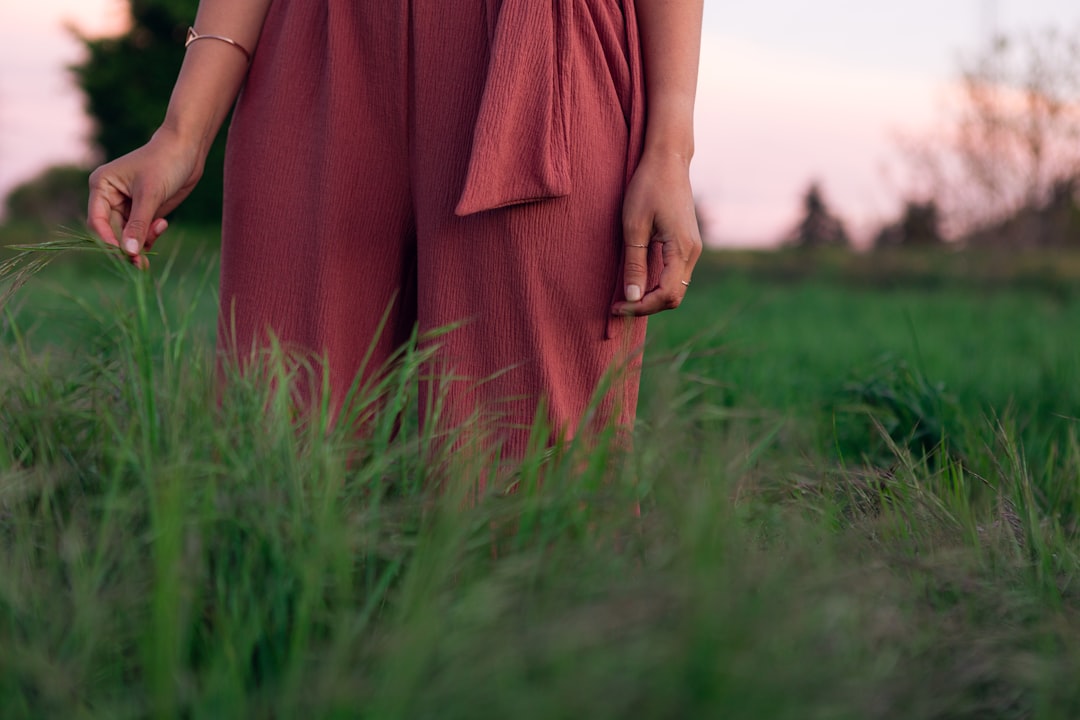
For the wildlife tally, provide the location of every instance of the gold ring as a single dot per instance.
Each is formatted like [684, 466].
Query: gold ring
[685, 282]
[638, 246]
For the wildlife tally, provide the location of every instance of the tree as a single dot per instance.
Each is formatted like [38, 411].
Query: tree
[819, 227]
[1020, 119]
[919, 226]
[1053, 223]
[1013, 134]
[127, 81]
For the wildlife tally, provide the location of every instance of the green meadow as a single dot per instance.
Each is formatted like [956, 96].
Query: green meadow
[858, 480]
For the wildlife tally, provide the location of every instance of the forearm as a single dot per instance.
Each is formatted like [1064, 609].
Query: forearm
[213, 71]
[671, 48]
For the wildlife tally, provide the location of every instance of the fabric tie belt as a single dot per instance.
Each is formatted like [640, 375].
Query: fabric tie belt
[521, 141]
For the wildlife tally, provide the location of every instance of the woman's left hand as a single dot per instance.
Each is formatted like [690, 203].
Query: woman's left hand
[659, 208]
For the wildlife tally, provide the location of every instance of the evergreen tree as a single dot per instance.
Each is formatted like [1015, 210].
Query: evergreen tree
[819, 226]
[918, 226]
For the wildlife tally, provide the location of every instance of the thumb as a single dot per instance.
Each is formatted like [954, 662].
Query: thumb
[136, 230]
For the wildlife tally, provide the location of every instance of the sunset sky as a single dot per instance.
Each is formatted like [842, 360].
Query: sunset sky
[791, 90]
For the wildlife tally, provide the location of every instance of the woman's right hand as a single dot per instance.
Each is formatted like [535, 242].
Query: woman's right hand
[130, 196]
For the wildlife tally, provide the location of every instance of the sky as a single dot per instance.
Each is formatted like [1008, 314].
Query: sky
[790, 91]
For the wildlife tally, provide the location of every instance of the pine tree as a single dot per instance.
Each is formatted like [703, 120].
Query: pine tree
[818, 227]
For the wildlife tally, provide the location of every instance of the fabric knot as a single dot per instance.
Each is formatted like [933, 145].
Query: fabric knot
[520, 150]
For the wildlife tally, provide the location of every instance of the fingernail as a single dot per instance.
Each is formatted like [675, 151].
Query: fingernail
[633, 293]
[131, 245]
[161, 226]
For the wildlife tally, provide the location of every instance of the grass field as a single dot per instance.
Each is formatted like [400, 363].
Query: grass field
[859, 481]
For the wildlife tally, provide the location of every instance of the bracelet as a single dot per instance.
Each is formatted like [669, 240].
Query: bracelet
[192, 36]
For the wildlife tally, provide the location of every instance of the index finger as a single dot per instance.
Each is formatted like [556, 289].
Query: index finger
[669, 294]
[99, 214]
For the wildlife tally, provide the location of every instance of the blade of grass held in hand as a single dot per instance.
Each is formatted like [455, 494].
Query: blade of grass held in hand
[31, 259]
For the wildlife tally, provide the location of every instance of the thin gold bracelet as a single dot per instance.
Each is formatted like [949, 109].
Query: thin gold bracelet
[192, 36]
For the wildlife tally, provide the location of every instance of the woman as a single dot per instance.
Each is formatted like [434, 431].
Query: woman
[487, 163]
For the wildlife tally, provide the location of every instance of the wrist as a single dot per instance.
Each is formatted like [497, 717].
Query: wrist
[670, 134]
[183, 141]
[187, 133]
[666, 150]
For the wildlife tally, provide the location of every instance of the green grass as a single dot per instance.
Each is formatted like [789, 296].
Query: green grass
[856, 502]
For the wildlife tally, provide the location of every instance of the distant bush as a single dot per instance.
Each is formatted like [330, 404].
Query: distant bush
[57, 196]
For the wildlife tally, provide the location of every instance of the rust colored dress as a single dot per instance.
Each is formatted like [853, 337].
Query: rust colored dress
[455, 162]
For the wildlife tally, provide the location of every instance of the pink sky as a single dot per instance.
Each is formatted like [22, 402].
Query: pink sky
[770, 121]
[789, 93]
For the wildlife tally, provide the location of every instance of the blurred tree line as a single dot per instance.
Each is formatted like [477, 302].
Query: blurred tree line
[1006, 171]
[1004, 168]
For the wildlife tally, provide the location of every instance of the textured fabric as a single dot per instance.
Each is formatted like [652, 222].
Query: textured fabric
[452, 164]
